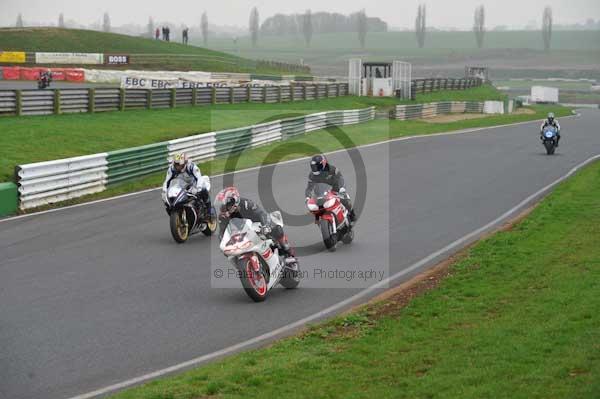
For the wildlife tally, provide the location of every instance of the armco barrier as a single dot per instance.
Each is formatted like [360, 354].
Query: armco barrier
[54, 181]
[198, 148]
[8, 199]
[42, 102]
[292, 127]
[134, 162]
[421, 111]
[266, 133]
[233, 140]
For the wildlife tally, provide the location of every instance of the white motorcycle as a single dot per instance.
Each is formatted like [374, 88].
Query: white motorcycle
[256, 257]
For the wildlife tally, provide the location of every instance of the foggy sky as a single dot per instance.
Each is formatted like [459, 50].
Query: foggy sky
[397, 13]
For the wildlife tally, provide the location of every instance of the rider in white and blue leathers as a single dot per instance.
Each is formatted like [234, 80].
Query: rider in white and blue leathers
[184, 170]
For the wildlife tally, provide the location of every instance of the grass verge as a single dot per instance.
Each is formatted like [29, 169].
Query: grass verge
[346, 137]
[145, 53]
[40, 138]
[515, 317]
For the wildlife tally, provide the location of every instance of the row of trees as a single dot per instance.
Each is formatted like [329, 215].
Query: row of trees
[318, 22]
[308, 23]
[479, 26]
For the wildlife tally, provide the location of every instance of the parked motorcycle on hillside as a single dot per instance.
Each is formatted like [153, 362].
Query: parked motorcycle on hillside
[549, 139]
[331, 216]
[44, 80]
[187, 215]
[256, 257]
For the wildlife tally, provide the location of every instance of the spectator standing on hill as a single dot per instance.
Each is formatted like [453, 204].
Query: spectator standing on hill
[164, 33]
[184, 35]
[168, 34]
[157, 34]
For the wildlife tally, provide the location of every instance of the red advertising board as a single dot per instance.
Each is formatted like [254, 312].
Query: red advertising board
[58, 74]
[74, 75]
[11, 73]
[31, 73]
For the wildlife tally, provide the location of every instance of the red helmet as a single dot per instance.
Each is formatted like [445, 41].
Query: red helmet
[227, 201]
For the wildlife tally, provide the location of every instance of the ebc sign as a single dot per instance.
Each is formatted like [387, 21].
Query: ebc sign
[128, 82]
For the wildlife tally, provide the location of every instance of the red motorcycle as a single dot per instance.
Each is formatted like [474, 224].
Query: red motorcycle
[331, 216]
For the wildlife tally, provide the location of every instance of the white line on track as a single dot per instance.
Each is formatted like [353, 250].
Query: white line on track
[479, 129]
[447, 250]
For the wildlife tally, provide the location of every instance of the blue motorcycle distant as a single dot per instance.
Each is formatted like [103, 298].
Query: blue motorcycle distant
[549, 139]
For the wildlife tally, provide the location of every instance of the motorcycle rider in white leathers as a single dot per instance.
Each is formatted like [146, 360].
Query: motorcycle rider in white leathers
[184, 170]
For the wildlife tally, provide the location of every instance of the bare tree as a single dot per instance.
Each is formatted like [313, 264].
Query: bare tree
[361, 23]
[307, 27]
[204, 27]
[421, 25]
[19, 21]
[254, 24]
[479, 25]
[61, 20]
[106, 23]
[547, 27]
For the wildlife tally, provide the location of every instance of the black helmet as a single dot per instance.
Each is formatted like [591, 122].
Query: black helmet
[318, 164]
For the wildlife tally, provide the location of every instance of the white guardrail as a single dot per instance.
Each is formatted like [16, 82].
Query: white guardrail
[54, 181]
[198, 148]
[50, 182]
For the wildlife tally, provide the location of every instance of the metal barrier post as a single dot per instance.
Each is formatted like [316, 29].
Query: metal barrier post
[56, 101]
[91, 100]
[19, 102]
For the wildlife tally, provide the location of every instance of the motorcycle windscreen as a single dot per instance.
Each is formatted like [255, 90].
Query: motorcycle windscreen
[237, 225]
[320, 190]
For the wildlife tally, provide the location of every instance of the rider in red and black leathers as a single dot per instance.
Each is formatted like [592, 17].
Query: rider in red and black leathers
[231, 205]
[322, 171]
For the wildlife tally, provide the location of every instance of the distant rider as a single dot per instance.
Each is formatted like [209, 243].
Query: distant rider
[231, 205]
[551, 121]
[184, 170]
[322, 171]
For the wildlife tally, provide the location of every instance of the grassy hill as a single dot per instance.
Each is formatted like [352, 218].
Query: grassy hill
[145, 53]
[508, 53]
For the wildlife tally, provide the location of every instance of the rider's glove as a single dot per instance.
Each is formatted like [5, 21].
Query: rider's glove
[265, 230]
[342, 190]
[307, 199]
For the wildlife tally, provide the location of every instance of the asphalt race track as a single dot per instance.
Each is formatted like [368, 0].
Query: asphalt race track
[94, 295]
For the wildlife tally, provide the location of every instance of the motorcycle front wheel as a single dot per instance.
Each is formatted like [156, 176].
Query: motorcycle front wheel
[329, 238]
[550, 147]
[179, 227]
[211, 224]
[254, 282]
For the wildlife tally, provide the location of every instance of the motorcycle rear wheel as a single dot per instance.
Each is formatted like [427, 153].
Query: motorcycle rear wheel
[290, 279]
[179, 229]
[348, 237]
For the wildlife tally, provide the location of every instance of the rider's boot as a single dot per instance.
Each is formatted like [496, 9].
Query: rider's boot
[351, 214]
[288, 252]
